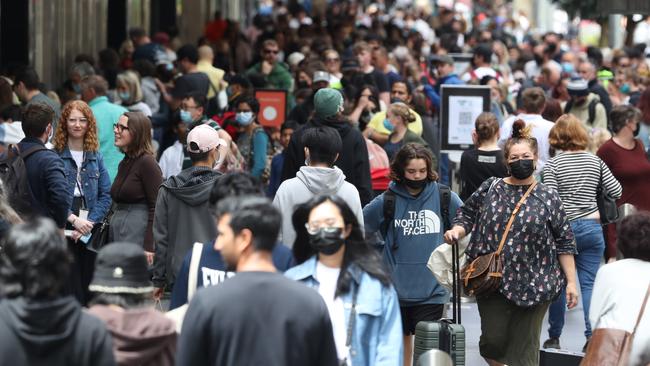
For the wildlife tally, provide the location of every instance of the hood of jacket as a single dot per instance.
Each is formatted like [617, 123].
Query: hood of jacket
[321, 180]
[192, 185]
[339, 124]
[42, 326]
[140, 335]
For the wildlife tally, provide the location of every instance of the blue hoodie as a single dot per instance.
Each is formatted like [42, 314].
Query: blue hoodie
[417, 230]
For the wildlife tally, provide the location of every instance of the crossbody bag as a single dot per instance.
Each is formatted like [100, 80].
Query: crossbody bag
[483, 275]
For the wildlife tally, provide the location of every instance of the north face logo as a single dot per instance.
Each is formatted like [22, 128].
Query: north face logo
[419, 223]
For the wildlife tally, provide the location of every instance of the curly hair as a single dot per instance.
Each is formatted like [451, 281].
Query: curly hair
[60, 140]
[407, 153]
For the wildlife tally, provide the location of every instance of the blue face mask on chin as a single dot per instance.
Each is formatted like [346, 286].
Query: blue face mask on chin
[186, 116]
[389, 126]
[124, 96]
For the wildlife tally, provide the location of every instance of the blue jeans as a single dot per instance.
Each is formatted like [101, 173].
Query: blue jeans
[591, 245]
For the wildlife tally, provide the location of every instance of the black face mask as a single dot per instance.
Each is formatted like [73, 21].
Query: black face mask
[522, 168]
[327, 240]
[637, 129]
[415, 184]
[302, 84]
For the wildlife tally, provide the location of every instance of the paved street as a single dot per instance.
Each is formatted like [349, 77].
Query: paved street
[572, 337]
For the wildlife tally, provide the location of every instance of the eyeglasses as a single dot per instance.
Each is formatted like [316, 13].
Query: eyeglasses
[328, 225]
[332, 59]
[120, 128]
[275, 52]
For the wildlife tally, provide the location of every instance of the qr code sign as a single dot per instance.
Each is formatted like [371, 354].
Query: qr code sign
[465, 119]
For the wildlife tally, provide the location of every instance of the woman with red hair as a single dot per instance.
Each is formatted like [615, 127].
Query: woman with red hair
[75, 140]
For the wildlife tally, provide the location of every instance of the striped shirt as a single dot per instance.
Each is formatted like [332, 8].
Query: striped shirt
[576, 177]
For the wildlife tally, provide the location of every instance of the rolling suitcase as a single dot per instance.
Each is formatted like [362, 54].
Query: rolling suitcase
[447, 334]
[559, 357]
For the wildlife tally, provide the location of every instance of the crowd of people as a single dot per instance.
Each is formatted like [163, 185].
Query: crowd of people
[307, 242]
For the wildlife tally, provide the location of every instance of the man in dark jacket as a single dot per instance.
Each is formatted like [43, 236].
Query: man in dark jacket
[38, 324]
[45, 169]
[328, 104]
[182, 209]
[259, 316]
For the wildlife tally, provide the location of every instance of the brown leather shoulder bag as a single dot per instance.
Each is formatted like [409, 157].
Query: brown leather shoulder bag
[611, 347]
[483, 275]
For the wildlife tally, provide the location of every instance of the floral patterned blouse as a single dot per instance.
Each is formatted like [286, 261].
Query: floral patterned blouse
[541, 231]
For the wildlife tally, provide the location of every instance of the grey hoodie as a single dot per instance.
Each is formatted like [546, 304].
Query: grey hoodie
[182, 218]
[309, 182]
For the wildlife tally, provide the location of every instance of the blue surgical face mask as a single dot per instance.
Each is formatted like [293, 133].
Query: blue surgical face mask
[625, 88]
[568, 67]
[387, 125]
[124, 96]
[186, 116]
[244, 118]
[76, 88]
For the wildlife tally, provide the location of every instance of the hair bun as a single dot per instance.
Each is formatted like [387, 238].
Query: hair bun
[519, 130]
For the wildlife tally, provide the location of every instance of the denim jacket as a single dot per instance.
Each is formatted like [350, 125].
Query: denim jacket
[377, 333]
[95, 183]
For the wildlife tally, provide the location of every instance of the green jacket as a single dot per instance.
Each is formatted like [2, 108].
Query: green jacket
[279, 78]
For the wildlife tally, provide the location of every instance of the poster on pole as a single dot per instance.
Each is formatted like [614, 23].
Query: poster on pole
[273, 107]
[460, 106]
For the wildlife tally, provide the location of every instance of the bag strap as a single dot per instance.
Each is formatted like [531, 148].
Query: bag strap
[445, 198]
[514, 214]
[192, 278]
[353, 316]
[638, 319]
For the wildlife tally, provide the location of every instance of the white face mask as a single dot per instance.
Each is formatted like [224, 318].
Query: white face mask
[51, 133]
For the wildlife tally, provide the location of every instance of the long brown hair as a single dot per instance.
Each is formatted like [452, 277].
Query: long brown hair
[140, 130]
[407, 153]
[91, 143]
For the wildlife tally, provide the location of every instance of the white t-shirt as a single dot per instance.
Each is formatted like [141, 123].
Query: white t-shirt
[327, 278]
[171, 161]
[540, 130]
[78, 157]
[616, 301]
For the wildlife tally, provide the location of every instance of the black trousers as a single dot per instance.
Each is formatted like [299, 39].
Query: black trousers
[83, 264]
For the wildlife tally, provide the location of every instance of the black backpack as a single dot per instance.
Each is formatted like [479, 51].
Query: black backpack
[14, 178]
[389, 207]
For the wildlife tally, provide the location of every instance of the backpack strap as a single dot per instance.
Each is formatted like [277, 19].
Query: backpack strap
[445, 199]
[24, 155]
[389, 210]
[592, 111]
[192, 278]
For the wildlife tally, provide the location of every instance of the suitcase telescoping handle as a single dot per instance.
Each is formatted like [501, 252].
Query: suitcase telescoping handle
[456, 291]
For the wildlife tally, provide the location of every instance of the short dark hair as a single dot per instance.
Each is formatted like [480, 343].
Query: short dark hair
[15, 112]
[289, 125]
[34, 261]
[256, 214]
[407, 153]
[29, 77]
[533, 100]
[252, 102]
[485, 51]
[189, 52]
[96, 83]
[235, 184]
[197, 157]
[198, 98]
[633, 233]
[35, 119]
[324, 144]
[137, 32]
[621, 116]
